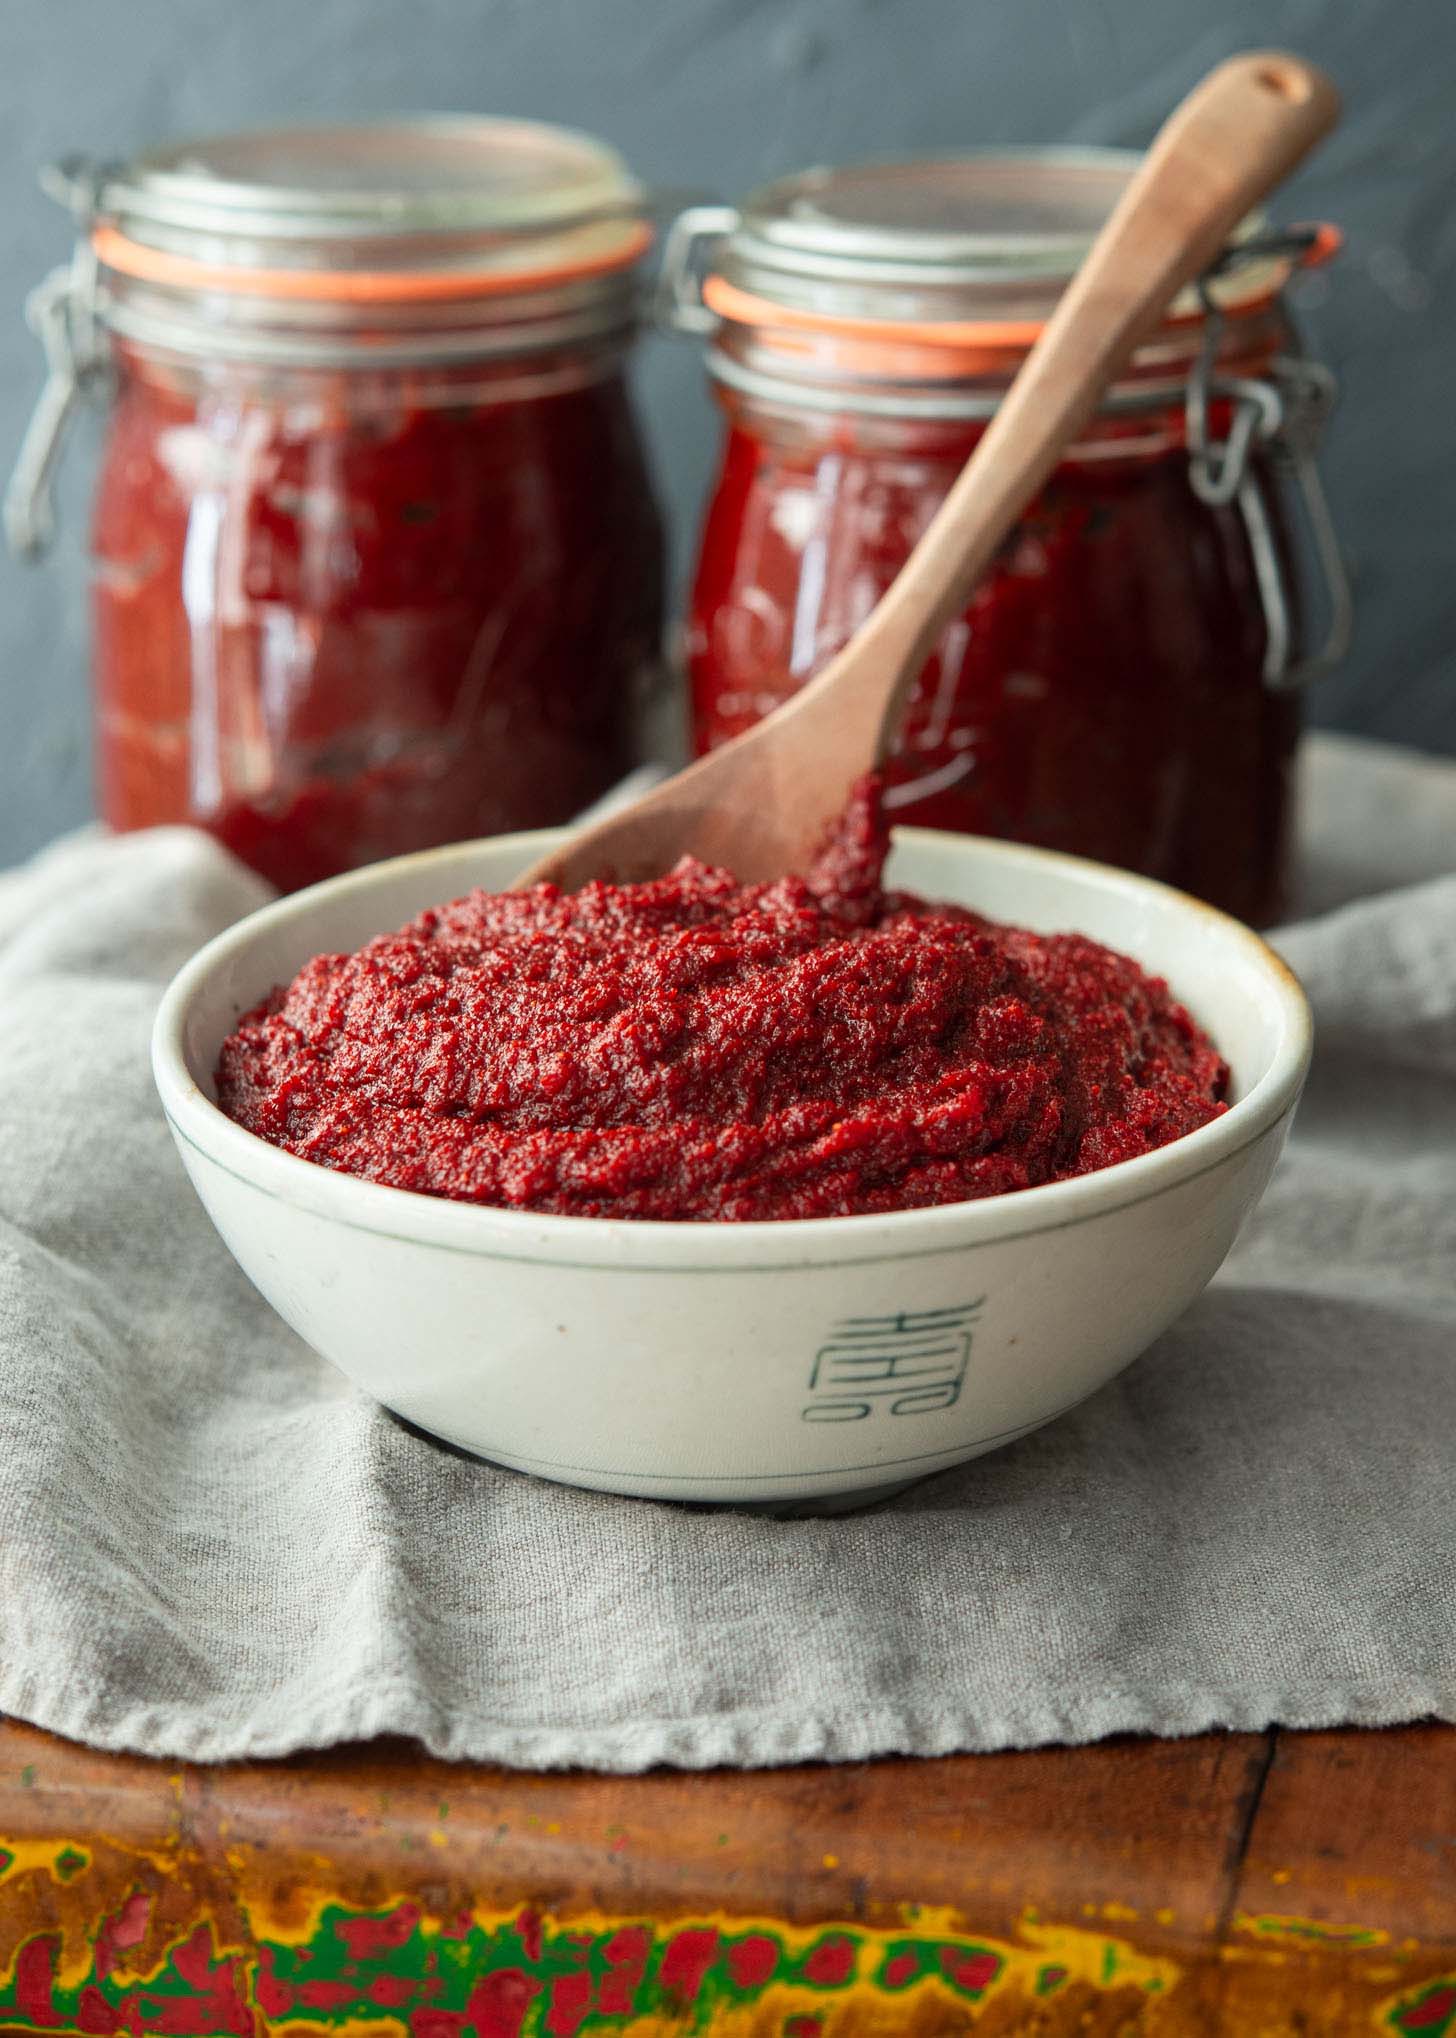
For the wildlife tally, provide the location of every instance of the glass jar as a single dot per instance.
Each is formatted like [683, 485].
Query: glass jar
[377, 561]
[1124, 683]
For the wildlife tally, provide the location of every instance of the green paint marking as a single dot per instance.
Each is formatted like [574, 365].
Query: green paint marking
[27, 1776]
[1429, 2012]
[391, 1967]
[442, 1811]
[1109, 1961]
[1311, 1928]
[70, 1861]
[965, 1966]
[6, 1857]
[592, 1978]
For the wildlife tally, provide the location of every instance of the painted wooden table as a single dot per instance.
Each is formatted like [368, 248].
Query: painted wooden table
[1242, 1884]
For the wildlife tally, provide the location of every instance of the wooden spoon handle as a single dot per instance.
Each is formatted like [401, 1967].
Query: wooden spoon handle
[1229, 143]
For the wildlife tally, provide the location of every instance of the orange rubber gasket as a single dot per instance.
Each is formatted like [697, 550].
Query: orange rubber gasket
[350, 286]
[973, 345]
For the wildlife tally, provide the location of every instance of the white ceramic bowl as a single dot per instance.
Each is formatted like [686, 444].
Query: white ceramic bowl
[768, 1363]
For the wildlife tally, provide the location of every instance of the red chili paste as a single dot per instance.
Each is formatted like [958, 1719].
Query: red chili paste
[697, 1048]
[1103, 692]
[347, 622]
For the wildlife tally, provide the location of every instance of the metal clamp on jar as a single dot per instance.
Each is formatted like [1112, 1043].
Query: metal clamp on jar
[1124, 684]
[377, 562]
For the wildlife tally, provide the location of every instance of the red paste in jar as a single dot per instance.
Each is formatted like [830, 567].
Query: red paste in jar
[697, 1048]
[341, 617]
[1103, 693]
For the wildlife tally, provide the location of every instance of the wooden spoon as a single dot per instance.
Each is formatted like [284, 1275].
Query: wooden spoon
[762, 804]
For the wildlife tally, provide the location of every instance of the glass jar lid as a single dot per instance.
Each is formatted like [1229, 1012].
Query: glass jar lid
[987, 239]
[390, 210]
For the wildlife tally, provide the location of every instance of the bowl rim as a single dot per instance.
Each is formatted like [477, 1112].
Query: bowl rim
[717, 1245]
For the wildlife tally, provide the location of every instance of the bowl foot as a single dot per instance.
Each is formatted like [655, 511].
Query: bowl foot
[820, 1503]
[779, 1510]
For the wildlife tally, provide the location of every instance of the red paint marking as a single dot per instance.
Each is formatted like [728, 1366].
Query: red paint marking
[132, 1920]
[391, 1991]
[499, 2002]
[94, 2014]
[185, 2017]
[752, 1960]
[368, 1938]
[528, 1924]
[1425, 2016]
[831, 1964]
[626, 1956]
[217, 2001]
[900, 1968]
[970, 1971]
[35, 1979]
[685, 1960]
[273, 1997]
[126, 1927]
[459, 1926]
[326, 1995]
[435, 2024]
[570, 2005]
[193, 1958]
[804, 2027]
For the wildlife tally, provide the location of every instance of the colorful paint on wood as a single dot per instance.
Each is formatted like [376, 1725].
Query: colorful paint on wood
[528, 1974]
[1140, 1890]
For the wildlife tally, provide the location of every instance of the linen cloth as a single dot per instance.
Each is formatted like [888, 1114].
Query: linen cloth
[212, 1546]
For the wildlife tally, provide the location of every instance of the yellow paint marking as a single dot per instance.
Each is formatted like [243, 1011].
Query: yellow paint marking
[1316, 1930]
[1095, 1957]
[42, 1854]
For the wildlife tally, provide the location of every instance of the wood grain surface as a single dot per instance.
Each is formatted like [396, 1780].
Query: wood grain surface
[1248, 1884]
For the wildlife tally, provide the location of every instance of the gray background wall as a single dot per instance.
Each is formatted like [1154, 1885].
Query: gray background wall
[719, 94]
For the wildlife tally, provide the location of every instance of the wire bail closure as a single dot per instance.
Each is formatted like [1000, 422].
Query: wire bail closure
[677, 298]
[62, 313]
[1284, 415]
